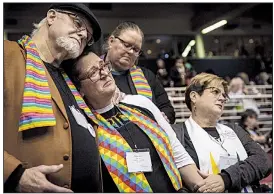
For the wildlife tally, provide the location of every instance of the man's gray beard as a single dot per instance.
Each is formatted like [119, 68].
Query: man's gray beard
[71, 46]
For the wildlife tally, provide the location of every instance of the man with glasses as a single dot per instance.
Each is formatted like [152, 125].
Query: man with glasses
[49, 146]
[139, 149]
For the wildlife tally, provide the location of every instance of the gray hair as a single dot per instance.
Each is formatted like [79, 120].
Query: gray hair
[38, 26]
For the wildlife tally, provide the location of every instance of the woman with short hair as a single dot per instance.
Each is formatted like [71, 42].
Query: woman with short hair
[227, 157]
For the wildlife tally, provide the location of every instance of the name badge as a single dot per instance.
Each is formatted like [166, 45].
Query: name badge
[81, 120]
[226, 161]
[139, 161]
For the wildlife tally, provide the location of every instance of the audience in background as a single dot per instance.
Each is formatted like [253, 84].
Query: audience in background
[263, 78]
[190, 72]
[236, 91]
[178, 73]
[162, 73]
[249, 122]
[244, 77]
[236, 87]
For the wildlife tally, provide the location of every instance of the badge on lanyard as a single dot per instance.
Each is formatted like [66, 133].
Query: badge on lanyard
[81, 120]
[226, 161]
[139, 161]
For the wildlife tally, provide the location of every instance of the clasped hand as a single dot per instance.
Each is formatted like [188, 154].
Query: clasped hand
[211, 184]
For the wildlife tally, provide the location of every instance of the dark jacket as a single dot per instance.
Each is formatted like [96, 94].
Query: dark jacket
[159, 95]
[247, 172]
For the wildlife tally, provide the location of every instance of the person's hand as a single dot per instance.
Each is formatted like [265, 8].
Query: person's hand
[34, 180]
[164, 115]
[118, 96]
[211, 184]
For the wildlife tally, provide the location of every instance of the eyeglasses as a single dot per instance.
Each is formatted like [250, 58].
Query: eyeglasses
[217, 93]
[127, 46]
[80, 25]
[96, 73]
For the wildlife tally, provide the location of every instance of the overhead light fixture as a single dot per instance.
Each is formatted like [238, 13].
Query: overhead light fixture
[149, 52]
[158, 41]
[188, 48]
[214, 26]
[192, 43]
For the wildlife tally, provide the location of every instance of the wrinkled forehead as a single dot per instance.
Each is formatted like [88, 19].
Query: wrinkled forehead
[217, 84]
[87, 62]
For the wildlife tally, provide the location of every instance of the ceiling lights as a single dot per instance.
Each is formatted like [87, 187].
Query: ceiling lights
[214, 26]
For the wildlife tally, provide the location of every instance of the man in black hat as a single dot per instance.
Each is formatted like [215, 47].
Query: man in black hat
[49, 145]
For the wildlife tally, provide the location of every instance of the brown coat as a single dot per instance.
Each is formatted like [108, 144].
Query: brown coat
[38, 146]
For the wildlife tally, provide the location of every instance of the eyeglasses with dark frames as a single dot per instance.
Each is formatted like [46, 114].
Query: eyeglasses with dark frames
[127, 46]
[96, 72]
[80, 25]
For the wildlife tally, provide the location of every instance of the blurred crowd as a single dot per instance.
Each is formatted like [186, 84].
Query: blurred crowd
[182, 71]
[178, 76]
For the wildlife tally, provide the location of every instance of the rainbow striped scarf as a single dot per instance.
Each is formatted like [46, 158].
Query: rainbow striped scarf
[81, 103]
[36, 108]
[113, 148]
[140, 82]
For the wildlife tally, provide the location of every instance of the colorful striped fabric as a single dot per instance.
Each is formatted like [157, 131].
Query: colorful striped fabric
[113, 148]
[36, 108]
[140, 82]
[160, 141]
[81, 103]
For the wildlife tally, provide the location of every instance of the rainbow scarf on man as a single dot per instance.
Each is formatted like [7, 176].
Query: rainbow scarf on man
[36, 108]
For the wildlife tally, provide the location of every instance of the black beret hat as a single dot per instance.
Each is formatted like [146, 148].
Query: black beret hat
[83, 9]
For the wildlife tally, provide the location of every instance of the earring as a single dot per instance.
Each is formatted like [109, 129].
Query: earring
[194, 109]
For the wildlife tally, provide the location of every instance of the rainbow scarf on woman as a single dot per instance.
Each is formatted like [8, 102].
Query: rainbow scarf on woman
[140, 82]
[113, 147]
[36, 108]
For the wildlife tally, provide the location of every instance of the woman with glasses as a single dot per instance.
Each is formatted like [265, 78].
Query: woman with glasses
[227, 157]
[123, 47]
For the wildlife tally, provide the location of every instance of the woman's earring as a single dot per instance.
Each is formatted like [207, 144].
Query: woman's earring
[194, 109]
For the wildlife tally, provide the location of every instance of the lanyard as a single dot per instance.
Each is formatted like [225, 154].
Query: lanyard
[220, 142]
[125, 125]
